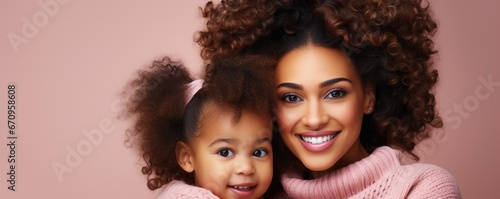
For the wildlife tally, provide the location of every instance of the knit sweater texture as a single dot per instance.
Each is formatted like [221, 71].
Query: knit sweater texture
[180, 190]
[380, 175]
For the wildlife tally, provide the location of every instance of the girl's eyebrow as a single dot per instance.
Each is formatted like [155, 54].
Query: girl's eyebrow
[323, 84]
[225, 140]
[262, 140]
[232, 141]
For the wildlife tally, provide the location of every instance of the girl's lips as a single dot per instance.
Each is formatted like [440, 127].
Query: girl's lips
[244, 190]
[317, 141]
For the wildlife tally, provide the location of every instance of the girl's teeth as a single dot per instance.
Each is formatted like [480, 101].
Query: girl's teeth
[242, 187]
[317, 140]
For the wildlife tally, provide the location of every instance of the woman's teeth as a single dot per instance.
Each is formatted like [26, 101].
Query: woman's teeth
[317, 140]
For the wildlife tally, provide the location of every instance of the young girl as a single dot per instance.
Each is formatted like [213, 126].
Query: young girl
[214, 133]
[354, 84]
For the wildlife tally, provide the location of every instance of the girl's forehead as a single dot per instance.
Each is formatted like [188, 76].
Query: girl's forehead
[224, 120]
[213, 111]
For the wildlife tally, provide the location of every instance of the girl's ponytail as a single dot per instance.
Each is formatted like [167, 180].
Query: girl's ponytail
[155, 99]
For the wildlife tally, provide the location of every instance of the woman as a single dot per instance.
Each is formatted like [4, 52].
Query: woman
[354, 84]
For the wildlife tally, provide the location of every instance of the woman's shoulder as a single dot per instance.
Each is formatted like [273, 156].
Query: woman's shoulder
[420, 180]
[180, 190]
[430, 181]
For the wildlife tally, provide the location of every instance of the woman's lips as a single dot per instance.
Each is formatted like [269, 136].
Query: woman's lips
[317, 141]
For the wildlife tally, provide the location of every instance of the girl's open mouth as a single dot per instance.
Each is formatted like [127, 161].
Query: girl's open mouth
[242, 190]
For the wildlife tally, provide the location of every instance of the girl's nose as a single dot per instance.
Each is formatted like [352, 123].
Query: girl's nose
[245, 166]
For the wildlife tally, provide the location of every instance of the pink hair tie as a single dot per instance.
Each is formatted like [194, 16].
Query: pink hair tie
[192, 88]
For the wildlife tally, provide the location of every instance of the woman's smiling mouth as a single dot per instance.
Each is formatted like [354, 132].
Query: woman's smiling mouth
[317, 141]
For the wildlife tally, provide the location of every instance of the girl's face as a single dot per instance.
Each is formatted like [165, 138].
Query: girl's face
[320, 107]
[232, 159]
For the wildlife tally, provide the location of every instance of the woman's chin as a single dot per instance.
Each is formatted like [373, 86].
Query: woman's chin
[318, 166]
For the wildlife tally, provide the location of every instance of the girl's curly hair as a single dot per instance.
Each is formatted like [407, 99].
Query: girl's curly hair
[390, 42]
[155, 100]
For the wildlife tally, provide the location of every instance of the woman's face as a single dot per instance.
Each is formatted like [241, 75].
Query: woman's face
[320, 107]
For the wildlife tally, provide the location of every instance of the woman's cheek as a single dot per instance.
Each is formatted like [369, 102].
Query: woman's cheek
[286, 119]
[352, 114]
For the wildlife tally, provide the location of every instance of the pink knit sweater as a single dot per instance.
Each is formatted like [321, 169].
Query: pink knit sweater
[380, 175]
[180, 190]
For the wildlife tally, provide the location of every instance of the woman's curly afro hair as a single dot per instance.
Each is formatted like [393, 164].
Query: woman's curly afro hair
[390, 42]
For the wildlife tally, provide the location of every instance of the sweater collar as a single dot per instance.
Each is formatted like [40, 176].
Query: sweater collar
[346, 181]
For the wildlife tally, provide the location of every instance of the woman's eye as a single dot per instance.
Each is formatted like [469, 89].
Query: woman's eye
[260, 153]
[291, 98]
[335, 94]
[225, 152]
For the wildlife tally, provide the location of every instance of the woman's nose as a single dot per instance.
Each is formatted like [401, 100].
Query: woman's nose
[314, 116]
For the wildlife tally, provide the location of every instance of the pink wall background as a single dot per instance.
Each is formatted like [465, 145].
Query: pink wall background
[79, 54]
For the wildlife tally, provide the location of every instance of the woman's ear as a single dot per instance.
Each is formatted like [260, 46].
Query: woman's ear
[369, 105]
[184, 156]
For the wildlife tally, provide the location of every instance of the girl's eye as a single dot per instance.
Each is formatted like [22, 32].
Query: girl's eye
[225, 153]
[290, 97]
[260, 153]
[335, 94]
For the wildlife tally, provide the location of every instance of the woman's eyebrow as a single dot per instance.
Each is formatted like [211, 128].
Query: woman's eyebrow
[333, 81]
[290, 85]
[323, 84]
